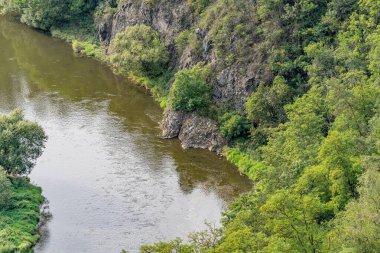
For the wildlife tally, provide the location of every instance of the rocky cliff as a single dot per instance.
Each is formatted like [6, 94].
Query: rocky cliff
[231, 83]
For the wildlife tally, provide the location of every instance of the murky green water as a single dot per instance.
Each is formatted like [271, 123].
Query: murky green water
[111, 181]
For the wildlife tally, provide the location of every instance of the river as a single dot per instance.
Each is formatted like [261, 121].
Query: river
[111, 181]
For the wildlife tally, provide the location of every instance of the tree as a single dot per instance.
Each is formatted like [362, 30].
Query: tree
[358, 229]
[293, 217]
[189, 91]
[44, 14]
[294, 145]
[21, 143]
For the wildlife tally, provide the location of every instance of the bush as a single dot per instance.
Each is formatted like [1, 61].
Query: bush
[199, 5]
[182, 40]
[138, 50]
[85, 48]
[190, 91]
[233, 126]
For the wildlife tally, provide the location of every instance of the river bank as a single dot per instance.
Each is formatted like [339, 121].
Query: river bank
[20, 221]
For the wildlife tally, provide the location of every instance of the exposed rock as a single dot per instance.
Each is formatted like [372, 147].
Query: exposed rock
[187, 59]
[105, 31]
[171, 123]
[233, 86]
[201, 132]
[192, 130]
[168, 18]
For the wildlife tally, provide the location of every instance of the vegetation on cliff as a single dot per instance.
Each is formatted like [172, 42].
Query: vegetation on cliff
[21, 142]
[307, 134]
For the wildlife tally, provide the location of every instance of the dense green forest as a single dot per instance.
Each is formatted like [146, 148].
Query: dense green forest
[309, 134]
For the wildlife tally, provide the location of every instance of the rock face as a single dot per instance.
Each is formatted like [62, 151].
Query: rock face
[172, 123]
[167, 18]
[231, 85]
[192, 130]
[201, 132]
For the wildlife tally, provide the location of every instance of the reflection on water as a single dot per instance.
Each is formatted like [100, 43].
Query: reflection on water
[111, 181]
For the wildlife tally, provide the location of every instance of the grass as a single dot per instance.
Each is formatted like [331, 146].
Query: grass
[246, 165]
[18, 223]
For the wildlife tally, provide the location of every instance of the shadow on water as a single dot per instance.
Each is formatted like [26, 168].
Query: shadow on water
[111, 181]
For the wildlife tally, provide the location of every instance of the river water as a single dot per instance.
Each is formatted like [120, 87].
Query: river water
[112, 183]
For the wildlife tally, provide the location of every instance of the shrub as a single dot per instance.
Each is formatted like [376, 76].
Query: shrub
[188, 38]
[198, 5]
[233, 126]
[189, 91]
[138, 50]
[85, 48]
[182, 40]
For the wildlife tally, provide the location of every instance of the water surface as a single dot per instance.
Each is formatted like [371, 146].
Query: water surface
[111, 181]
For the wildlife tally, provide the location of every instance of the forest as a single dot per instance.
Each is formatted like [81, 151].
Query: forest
[308, 135]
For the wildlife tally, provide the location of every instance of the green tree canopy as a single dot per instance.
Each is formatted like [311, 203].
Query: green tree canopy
[21, 143]
[189, 91]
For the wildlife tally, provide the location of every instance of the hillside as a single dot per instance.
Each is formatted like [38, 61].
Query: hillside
[293, 88]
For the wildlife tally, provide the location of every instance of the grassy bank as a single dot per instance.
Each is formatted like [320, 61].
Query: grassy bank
[19, 221]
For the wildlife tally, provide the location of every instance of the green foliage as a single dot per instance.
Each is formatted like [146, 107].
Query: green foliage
[265, 107]
[44, 14]
[79, 28]
[18, 223]
[315, 124]
[294, 145]
[188, 38]
[190, 91]
[168, 247]
[232, 34]
[199, 5]
[138, 50]
[5, 190]
[357, 229]
[104, 11]
[85, 48]
[197, 242]
[21, 143]
[314, 149]
[252, 168]
[233, 126]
